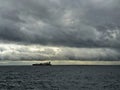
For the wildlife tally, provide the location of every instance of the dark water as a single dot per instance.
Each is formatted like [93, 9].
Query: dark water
[60, 78]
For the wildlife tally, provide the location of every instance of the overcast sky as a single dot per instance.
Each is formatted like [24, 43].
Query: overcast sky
[60, 29]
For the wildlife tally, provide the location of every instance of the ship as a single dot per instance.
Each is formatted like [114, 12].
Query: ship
[42, 64]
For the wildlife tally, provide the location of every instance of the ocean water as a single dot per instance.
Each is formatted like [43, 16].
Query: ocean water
[60, 77]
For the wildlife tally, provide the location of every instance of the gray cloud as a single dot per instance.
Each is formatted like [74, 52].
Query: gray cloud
[38, 52]
[78, 23]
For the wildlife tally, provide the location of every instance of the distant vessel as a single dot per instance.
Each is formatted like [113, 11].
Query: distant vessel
[42, 64]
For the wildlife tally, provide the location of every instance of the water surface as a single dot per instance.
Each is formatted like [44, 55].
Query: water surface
[60, 77]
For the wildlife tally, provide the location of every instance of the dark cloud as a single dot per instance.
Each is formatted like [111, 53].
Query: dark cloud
[66, 23]
[78, 23]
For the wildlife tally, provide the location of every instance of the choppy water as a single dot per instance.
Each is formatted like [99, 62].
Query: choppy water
[60, 78]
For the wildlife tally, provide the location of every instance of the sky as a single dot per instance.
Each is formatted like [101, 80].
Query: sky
[60, 30]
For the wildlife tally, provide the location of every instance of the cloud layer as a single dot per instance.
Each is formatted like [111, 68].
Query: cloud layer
[90, 29]
[38, 52]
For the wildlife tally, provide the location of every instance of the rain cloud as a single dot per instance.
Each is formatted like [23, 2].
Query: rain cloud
[79, 29]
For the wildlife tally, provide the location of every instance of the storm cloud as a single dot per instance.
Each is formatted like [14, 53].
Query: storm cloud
[80, 29]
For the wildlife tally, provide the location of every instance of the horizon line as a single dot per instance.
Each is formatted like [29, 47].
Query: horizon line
[61, 62]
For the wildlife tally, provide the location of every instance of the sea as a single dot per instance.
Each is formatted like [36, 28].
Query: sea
[60, 77]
